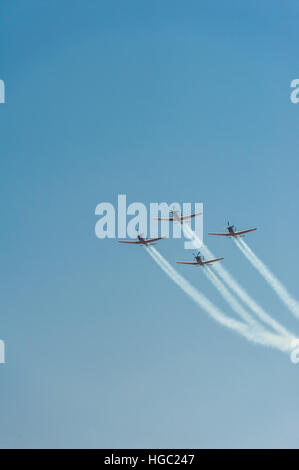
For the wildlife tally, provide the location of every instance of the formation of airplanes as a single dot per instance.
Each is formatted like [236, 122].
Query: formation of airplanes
[174, 216]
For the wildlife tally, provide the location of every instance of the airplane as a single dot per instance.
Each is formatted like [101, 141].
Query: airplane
[232, 232]
[199, 260]
[176, 217]
[142, 241]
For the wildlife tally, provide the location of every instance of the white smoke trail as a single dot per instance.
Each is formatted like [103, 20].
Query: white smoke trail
[239, 290]
[261, 337]
[230, 298]
[276, 285]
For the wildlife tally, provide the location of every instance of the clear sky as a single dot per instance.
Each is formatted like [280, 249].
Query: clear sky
[161, 101]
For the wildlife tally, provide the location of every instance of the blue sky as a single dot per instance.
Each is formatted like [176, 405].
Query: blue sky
[161, 101]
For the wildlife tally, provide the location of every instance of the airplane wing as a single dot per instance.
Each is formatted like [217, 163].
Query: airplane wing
[221, 234]
[190, 216]
[178, 218]
[245, 231]
[150, 240]
[211, 261]
[185, 262]
[162, 218]
[131, 242]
